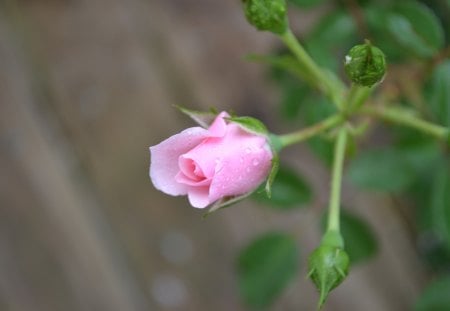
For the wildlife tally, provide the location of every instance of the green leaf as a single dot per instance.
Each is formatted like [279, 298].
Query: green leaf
[440, 203]
[249, 124]
[293, 96]
[415, 28]
[436, 296]
[381, 170]
[376, 19]
[438, 93]
[204, 119]
[265, 268]
[314, 110]
[403, 31]
[360, 242]
[289, 190]
[333, 36]
[424, 22]
[284, 62]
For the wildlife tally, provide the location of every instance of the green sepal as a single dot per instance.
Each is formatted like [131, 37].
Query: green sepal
[202, 118]
[276, 146]
[332, 238]
[249, 124]
[328, 267]
[226, 202]
[272, 174]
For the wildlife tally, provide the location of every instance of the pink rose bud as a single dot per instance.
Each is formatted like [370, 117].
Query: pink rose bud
[210, 164]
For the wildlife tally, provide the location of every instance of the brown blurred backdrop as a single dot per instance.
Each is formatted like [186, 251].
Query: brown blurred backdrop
[85, 88]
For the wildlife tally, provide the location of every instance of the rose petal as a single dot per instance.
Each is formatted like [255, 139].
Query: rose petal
[181, 178]
[190, 169]
[245, 165]
[164, 159]
[198, 197]
[219, 127]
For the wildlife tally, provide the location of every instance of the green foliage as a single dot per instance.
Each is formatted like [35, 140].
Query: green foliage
[423, 32]
[382, 170]
[265, 268]
[202, 118]
[289, 190]
[313, 110]
[249, 124]
[392, 169]
[404, 29]
[440, 203]
[436, 296]
[331, 39]
[306, 3]
[360, 242]
[438, 93]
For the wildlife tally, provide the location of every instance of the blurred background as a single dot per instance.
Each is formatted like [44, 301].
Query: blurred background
[86, 86]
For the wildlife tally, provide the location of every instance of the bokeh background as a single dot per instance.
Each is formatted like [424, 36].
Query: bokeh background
[86, 86]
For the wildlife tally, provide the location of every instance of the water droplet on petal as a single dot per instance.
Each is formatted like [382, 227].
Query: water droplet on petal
[248, 150]
[255, 162]
[248, 169]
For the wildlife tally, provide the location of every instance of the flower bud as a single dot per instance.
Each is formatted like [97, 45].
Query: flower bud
[328, 267]
[216, 165]
[365, 64]
[267, 15]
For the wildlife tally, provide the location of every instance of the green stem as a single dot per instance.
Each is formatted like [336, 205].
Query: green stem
[306, 133]
[313, 72]
[399, 116]
[357, 97]
[336, 180]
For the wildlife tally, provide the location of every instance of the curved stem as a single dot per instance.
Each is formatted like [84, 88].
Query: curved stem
[306, 133]
[402, 117]
[314, 73]
[357, 97]
[336, 181]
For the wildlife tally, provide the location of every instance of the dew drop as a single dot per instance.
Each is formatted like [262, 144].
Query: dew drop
[247, 169]
[248, 150]
[255, 162]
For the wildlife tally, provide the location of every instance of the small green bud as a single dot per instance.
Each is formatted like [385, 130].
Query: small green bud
[328, 267]
[365, 64]
[267, 15]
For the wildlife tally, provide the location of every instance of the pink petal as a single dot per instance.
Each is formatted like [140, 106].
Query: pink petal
[198, 197]
[181, 178]
[164, 159]
[245, 165]
[219, 127]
